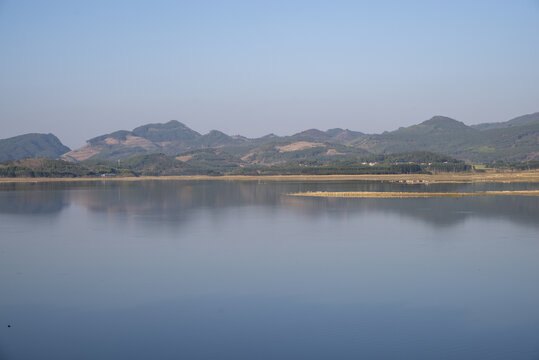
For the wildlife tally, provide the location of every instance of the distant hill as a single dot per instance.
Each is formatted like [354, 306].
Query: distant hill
[340, 136]
[175, 138]
[518, 121]
[294, 149]
[170, 138]
[517, 141]
[31, 146]
[512, 141]
[334, 136]
[439, 134]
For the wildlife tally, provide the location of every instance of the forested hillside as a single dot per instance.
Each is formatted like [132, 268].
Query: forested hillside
[31, 146]
[515, 140]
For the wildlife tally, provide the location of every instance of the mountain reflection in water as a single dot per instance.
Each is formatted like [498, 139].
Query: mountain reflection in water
[179, 200]
[239, 270]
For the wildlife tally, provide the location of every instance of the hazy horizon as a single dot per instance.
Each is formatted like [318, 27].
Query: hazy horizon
[81, 70]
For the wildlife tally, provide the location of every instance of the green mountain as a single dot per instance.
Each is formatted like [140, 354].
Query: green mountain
[31, 146]
[171, 131]
[334, 136]
[314, 135]
[170, 138]
[516, 141]
[518, 121]
[294, 149]
[340, 136]
[439, 134]
[511, 141]
[218, 139]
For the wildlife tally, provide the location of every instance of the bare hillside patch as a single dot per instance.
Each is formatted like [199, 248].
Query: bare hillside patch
[300, 145]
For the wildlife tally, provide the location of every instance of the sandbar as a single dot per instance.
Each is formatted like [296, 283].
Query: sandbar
[389, 194]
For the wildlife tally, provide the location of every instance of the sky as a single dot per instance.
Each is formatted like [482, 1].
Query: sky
[79, 69]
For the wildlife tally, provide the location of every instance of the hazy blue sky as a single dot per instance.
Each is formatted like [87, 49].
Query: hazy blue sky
[79, 69]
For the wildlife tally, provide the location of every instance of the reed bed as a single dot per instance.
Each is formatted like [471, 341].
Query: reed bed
[374, 194]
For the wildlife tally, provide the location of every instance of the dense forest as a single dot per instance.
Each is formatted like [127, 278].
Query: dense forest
[209, 163]
[31, 146]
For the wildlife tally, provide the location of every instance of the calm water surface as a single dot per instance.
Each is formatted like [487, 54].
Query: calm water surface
[239, 270]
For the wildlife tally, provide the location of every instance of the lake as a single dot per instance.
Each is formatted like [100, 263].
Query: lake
[239, 270]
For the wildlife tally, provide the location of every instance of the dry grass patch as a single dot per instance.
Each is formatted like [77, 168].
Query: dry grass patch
[185, 158]
[502, 177]
[373, 194]
[300, 145]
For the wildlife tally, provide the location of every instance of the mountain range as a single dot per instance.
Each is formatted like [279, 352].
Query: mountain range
[513, 140]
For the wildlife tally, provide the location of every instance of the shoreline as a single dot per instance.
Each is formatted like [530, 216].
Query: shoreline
[494, 177]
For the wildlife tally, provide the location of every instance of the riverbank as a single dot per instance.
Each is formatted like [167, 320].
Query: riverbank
[487, 177]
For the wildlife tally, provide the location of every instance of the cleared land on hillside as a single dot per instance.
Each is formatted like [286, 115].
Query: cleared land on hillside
[487, 177]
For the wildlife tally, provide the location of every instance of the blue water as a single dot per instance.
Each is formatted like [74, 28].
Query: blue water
[239, 270]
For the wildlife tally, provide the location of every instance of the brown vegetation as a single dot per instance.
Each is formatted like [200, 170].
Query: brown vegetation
[299, 145]
[486, 177]
[373, 194]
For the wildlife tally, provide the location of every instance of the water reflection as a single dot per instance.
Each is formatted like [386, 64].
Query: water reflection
[38, 202]
[239, 270]
[179, 200]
